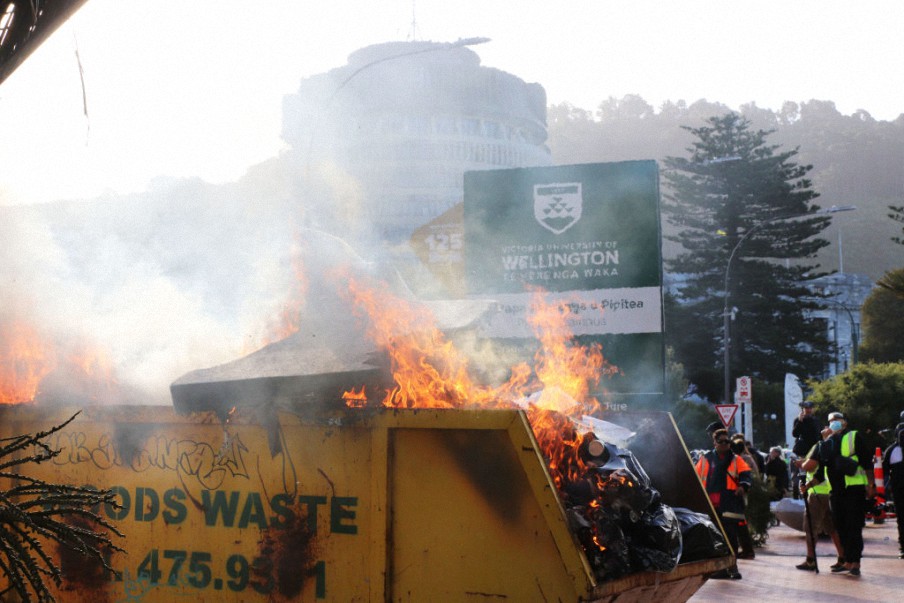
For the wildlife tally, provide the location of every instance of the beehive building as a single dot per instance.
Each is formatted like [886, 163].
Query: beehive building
[382, 143]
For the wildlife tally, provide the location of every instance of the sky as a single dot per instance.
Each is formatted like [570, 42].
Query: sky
[194, 89]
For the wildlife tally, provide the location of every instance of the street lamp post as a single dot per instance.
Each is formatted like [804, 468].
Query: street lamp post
[855, 334]
[726, 324]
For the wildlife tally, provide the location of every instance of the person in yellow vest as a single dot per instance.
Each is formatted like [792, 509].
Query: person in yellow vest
[726, 477]
[848, 460]
[817, 512]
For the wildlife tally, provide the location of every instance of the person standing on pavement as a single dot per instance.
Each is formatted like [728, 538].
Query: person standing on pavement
[893, 470]
[776, 473]
[739, 446]
[849, 465]
[805, 430]
[817, 512]
[726, 478]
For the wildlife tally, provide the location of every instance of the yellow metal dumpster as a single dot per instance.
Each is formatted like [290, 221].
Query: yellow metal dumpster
[354, 505]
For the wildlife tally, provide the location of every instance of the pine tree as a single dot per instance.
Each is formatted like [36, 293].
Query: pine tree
[734, 192]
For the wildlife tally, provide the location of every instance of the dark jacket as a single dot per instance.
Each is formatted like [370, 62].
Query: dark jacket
[893, 472]
[778, 469]
[806, 433]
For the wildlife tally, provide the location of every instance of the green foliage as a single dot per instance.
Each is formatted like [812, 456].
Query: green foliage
[759, 514]
[850, 155]
[692, 419]
[893, 282]
[727, 200]
[883, 320]
[870, 395]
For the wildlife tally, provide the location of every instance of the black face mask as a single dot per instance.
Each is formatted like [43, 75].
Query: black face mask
[737, 448]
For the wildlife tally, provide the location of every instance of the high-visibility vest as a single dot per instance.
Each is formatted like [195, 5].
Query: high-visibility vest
[847, 449]
[824, 487]
[735, 467]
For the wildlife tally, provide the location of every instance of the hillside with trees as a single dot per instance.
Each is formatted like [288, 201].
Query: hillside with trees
[856, 160]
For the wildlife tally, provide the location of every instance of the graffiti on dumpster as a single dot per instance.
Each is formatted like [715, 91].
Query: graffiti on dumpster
[193, 461]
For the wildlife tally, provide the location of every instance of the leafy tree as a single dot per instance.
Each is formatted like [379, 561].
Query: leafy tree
[691, 416]
[893, 282]
[731, 194]
[856, 159]
[882, 318]
[870, 395]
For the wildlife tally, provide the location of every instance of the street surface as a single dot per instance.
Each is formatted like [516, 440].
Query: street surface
[773, 577]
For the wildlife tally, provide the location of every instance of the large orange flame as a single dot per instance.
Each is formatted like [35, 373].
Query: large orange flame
[25, 359]
[429, 372]
[28, 356]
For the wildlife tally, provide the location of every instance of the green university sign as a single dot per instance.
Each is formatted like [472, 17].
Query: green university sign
[589, 235]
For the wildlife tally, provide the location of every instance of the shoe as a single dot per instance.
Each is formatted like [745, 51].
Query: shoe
[838, 570]
[746, 555]
[808, 566]
[855, 571]
[837, 566]
[901, 556]
[734, 575]
[721, 575]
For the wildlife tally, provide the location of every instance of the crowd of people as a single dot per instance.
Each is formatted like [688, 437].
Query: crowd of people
[830, 468]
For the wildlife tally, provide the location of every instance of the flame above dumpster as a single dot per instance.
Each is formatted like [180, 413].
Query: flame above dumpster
[25, 358]
[33, 366]
[429, 372]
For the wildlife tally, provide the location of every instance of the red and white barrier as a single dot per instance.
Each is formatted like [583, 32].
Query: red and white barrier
[879, 513]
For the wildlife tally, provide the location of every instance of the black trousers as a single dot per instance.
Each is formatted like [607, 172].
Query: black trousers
[849, 513]
[898, 496]
[732, 528]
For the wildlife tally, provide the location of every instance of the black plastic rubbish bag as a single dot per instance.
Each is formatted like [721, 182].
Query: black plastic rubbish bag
[701, 538]
[656, 542]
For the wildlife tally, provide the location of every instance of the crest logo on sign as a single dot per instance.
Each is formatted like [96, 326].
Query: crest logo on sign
[557, 206]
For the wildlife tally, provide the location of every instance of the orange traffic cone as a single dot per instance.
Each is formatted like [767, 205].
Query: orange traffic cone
[878, 511]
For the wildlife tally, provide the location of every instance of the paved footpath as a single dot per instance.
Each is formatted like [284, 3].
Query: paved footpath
[771, 576]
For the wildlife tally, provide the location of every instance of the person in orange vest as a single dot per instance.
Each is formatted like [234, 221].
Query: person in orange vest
[726, 477]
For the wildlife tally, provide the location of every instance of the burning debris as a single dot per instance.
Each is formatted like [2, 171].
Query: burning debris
[613, 509]
[33, 512]
[618, 516]
[35, 368]
[408, 361]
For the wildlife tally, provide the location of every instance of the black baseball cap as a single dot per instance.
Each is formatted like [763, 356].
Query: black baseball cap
[806, 404]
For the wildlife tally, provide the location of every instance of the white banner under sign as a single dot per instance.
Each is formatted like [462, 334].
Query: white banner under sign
[596, 312]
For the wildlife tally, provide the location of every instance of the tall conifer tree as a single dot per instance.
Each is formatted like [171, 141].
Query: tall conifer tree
[734, 186]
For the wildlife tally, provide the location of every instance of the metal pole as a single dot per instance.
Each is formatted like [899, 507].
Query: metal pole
[855, 335]
[726, 331]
